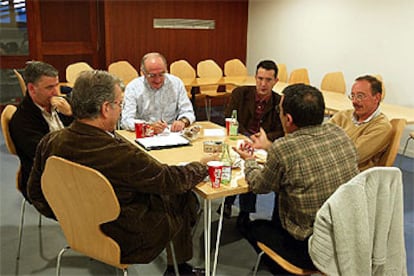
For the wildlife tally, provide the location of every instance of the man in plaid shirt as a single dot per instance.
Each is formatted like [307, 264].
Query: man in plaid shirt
[303, 169]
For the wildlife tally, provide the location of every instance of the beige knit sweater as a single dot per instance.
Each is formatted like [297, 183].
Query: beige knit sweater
[371, 139]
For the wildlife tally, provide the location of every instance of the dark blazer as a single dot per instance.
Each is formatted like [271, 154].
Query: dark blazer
[27, 127]
[154, 198]
[243, 100]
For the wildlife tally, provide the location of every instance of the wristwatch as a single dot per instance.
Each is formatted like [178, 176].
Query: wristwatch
[185, 121]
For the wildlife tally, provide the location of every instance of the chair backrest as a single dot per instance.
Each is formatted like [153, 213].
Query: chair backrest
[6, 116]
[334, 81]
[73, 70]
[21, 81]
[282, 74]
[209, 69]
[235, 68]
[82, 199]
[390, 154]
[123, 70]
[299, 75]
[183, 69]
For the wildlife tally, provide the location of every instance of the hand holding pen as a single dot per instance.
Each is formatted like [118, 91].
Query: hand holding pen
[159, 126]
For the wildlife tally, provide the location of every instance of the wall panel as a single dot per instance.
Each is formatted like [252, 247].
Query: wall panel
[129, 33]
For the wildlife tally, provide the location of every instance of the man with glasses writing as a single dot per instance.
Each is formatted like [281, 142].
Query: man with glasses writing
[157, 98]
[366, 125]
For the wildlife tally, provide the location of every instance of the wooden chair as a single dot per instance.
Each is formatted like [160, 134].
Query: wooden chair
[183, 69]
[123, 70]
[82, 199]
[289, 267]
[389, 156]
[234, 68]
[300, 75]
[22, 83]
[334, 81]
[73, 70]
[282, 74]
[5, 119]
[209, 69]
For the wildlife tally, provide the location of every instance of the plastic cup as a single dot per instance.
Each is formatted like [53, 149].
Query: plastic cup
[214, 170]
[228, 123]
[139, 128]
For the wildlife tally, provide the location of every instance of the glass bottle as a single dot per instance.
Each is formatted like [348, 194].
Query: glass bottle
[227, 164]
[234, 124]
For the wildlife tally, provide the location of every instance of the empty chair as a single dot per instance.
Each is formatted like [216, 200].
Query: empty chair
[234, 68]
[334, 81]
[289, 267]
[5, 119]
[390, 154]
[299, 76]
[211, 70]
[123, 70]
[73, 70]
[282, 74]
[21, 81]
[183, 69]
[82, 199]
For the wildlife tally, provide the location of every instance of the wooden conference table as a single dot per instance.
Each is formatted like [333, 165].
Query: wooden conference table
[179, 155]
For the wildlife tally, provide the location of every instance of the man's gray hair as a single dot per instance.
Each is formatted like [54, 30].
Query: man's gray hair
[91, 90]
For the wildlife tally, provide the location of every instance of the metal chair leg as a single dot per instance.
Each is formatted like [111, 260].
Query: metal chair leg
[177, 272]
[59, 259]
[22, 208]
[256, 267]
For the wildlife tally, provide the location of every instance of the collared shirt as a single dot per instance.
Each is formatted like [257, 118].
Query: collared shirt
[52, 118]
[260, 104]
[304, 168]
[373, 115]
[169, 103]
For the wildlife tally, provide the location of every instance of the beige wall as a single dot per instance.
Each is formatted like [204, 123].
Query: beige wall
[353, 36]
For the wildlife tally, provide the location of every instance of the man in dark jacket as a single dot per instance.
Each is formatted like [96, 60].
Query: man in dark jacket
[156, 201]
[41, 111]
[256, 108]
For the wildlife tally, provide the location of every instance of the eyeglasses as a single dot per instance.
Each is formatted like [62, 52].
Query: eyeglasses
[357, 97]
[152, 76]
[119, 103]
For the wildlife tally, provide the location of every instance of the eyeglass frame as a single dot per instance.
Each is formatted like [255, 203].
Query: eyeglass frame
[358, 97]
[152, 76]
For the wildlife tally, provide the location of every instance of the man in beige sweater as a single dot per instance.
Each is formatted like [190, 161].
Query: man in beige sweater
[366, 125]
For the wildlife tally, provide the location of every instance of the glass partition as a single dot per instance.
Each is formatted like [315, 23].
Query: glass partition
[13, 28]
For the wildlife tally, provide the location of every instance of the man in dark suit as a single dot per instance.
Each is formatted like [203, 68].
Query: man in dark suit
[41, 111]
[256, 108]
